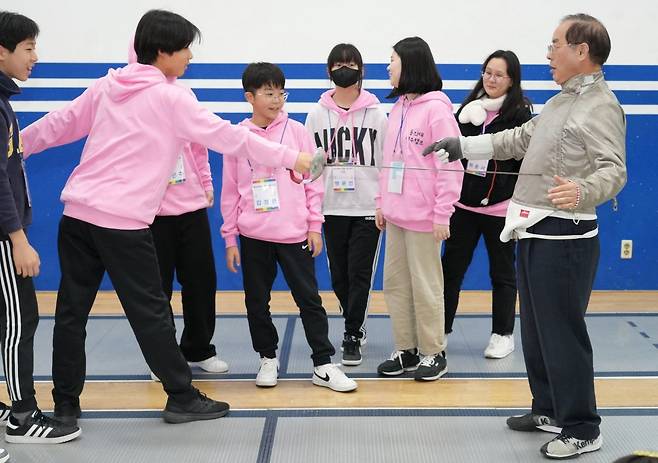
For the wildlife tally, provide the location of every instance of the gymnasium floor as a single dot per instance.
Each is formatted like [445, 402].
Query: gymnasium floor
[459, 418]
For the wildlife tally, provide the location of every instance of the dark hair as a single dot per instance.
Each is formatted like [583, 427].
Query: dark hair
[587, 29]
[345, 53]
[161, 30]
[258, 74]
[14, 28]
[419, 73]
[515, 97]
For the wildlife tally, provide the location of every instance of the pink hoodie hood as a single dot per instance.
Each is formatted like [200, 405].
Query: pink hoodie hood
[300, 210]
[365, 100]
[134, 78]
[427, 196]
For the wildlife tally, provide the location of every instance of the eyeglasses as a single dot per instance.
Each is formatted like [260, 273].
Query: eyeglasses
[552, 47]
[275, 95]
[488, 75]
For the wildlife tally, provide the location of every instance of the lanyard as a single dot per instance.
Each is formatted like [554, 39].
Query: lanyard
[398, 139]
[352, 134]
[280, 143]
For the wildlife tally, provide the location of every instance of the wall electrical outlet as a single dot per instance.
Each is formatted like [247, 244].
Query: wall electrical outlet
[626, 249]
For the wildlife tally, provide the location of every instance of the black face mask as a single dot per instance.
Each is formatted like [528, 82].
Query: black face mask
[345, 77]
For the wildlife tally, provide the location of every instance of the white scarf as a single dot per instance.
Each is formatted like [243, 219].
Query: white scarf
[475, 112]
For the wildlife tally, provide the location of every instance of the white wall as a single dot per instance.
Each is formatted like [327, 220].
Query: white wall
[305, 30]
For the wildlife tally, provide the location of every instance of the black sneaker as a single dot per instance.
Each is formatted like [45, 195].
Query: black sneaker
[39, 429]
[5, 411]
[531, 422]
[400, 361]
[67, 413]
[351, 351]
[200, 408]
[431, 367]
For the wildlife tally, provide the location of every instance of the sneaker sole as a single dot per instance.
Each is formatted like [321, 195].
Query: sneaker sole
[433, 378]
[544, 427]
[497, 356]
[195, 364]
[578, 453]
[4, 459]
[177, 418]
[41, 440]
[264, 384]
[321, 383]
[397, 372]
[351, 363]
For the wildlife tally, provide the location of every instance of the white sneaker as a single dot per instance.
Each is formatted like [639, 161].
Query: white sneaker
[268, 372]
[329, 375]
[4, 456]
[211, 365]
[564, 446]
[499, 346]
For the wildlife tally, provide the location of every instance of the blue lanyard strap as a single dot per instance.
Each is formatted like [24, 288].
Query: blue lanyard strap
[398, 139]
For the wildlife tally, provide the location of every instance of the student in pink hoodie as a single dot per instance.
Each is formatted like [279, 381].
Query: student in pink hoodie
[278, 221]
[349, 124]
[415, 204]
[136, 123]
[181, 234]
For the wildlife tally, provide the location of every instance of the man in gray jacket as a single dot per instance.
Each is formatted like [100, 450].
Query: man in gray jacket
[574, 159]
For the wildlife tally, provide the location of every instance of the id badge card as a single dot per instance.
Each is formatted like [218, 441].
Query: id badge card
[395, 177]
[179, 172]
[266, 194]
[343, 179]
[478, 168]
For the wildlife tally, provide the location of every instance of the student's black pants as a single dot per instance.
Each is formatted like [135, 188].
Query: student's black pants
[19, 317]
[86, 251]
[259, 267]
[352, 249]
[466, 227]
[555, 283]
[184, 246]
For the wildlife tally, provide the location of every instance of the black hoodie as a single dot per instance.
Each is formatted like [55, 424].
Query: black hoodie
[15, 207]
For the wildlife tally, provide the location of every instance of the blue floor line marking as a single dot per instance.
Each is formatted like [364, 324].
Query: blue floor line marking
[356, 376]
[286, 346]
[374, 316]
[271, 416]
[267, 438]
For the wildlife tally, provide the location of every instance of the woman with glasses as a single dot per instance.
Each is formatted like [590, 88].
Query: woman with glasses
[496, 103]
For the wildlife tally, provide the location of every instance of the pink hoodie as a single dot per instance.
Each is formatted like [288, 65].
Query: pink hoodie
[427, 196]
[300, 205]
[137, 124]
[189, 195]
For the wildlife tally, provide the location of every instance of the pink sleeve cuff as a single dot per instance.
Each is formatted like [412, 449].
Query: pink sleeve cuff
[231, 240]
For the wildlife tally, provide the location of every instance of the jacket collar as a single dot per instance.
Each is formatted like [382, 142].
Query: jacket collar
[579, 83]
[7, 86]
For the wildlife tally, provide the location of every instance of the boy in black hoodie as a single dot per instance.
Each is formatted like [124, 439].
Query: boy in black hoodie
[19, 262]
